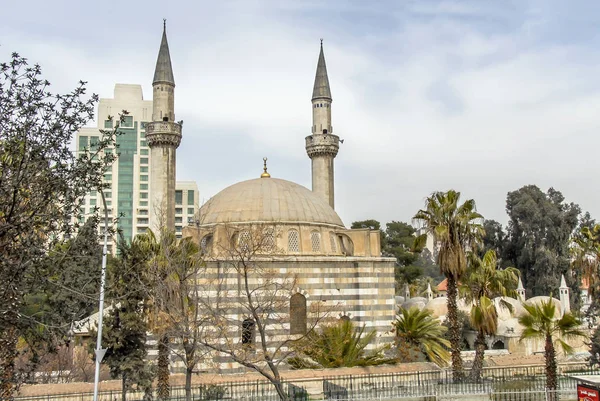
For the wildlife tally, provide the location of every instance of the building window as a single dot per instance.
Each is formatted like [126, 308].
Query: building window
[248, 328]
[83, 142]
[298, 314]
[108, 203]
[143, 203]
[144, 152]
[143, 124]
[107, 177]
[144, 169]
[190, 197]
[108, 194]
[143, 195]
[293, 241]
[142, 221]
[178, 210]
[178, 229]
[178, 197]
[144, 143]
[143, 178]
[190, 210]
[143, 160]
[179, 220]
[108, 124]
[206, 243]
[333, 240]
[127, 122]
[143, 186]
[142, 230]
[269, 240]
[315, 241]
[142, 212]
[244, 241]
[92, 202]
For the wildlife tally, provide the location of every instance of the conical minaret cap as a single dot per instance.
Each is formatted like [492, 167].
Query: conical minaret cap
[563, 283]
[321, 88]
[429, 288]
[164, 71]
[520, 286]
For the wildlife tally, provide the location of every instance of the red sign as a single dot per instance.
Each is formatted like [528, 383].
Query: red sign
[587, 393]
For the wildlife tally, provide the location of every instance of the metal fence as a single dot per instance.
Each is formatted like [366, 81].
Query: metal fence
[438, 384]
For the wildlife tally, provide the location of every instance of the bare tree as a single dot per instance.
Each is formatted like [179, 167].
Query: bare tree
[246, 303]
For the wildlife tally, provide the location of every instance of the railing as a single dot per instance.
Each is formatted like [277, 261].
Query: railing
[504, 383]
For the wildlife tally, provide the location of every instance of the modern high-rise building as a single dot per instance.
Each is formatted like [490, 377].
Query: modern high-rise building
[129, 196]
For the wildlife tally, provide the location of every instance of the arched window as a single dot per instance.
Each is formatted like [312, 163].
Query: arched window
[244, 241]
[298, 314]
[268, 244]
[248, 326]
[333, 241]
[206, 243]
[315, 241]
[499, 344]
[293, 241]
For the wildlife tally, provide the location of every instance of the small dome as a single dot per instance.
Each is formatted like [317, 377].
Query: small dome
[439, 306]
[268, 200]
[539, 299]
[419, 302]
[504, 313]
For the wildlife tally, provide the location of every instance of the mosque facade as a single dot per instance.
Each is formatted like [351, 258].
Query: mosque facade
[330, 270]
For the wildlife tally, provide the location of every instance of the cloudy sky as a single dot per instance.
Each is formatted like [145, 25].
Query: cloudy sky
[480, 96]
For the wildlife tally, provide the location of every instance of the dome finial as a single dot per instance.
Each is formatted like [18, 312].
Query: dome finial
[265, 174]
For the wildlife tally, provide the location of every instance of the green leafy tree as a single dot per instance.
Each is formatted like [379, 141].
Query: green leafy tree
[539, 232]
[42, 183]
[124, 335]
[586, 261]
[338, 345]
[540, 322]
[483, 282]
[494, 239]
[456, 228]
[401, 245]
[419, 334]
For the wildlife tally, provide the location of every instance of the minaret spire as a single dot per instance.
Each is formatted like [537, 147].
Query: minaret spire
[321, 88]
[163, 72]
[322, 146]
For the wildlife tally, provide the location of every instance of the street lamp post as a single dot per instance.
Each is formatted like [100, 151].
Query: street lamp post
[99, 350]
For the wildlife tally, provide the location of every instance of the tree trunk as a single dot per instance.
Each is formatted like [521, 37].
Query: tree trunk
[550, 356]
[455, 330]
[188, 384]
[124, 387]
[8, 355]
[163, 390]
[280, 390]
[478, 361]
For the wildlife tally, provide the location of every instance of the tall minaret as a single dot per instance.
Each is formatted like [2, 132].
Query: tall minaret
[322, 146]
[163, 135]
[564, 295]
[521, 291]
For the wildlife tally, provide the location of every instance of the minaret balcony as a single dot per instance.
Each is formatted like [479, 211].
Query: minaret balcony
[322, 145]
[163, 133]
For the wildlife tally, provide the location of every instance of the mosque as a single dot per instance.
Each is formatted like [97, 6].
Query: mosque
[332, 268]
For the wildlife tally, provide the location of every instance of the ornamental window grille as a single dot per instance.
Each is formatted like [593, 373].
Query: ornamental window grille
[333, 242]
[293, 241]
[269, 240]
[244, 241]
[315, 241]
[205, 243]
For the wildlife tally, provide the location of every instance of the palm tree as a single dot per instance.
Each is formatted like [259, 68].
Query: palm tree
[338, 345]
[586, 258]
[455, 229]
[540, 322]
[418, 332]
[482, 282]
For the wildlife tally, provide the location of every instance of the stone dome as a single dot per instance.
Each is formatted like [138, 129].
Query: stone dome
[439, 306]
[539, 299]
[268, 200]
[419, 302]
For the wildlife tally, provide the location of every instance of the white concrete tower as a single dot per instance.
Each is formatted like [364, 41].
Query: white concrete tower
[322, 146]
[163, 135]
[521, 291]
[565, 302]
[429, 293]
